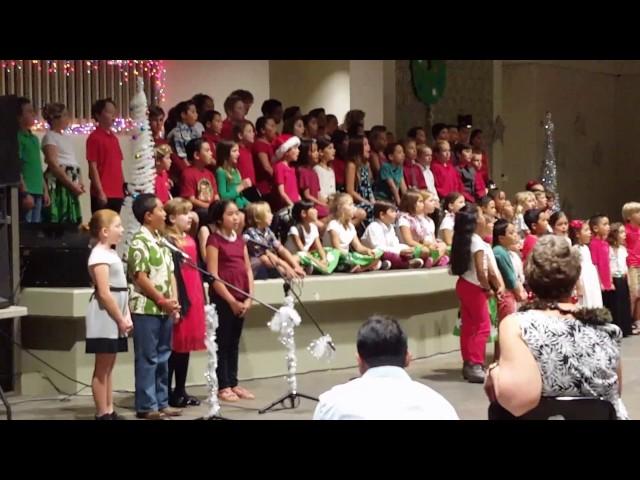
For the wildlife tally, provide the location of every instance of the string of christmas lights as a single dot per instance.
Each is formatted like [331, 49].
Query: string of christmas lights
[153, 70]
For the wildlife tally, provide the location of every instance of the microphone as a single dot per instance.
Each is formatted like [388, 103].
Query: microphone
[166, 243]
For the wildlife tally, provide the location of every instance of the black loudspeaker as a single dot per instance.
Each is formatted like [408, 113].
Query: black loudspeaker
[9, 161]
[54, 255]
[6, 294]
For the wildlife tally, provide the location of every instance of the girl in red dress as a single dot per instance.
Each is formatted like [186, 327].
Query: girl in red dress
[189, 331]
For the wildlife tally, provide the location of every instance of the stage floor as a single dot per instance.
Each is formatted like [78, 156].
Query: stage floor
[441, 372]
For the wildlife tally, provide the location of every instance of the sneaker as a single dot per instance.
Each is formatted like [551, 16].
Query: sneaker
[416, 263]
[385, 265]
[473, 373]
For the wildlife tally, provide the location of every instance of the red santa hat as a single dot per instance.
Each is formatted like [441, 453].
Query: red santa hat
[284, 143]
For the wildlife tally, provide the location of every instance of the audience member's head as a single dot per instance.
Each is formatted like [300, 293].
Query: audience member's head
[553, 269]
[382, 342]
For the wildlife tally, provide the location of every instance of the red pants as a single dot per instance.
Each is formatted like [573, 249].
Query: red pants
[507, 304]
[476, 324]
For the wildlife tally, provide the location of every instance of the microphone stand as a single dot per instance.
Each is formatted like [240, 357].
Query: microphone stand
[288, 339]
[293, 394]
[210, 278]
[287, 287]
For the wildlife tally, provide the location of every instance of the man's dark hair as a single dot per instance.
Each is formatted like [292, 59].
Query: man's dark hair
[145, 202]
[382, 342]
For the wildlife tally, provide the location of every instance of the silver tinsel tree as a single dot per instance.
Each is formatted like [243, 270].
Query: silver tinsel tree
[549, 175]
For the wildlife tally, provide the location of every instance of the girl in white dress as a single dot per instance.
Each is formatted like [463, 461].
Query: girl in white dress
[108, 319]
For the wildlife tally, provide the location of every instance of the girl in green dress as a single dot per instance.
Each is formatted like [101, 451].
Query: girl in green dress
[303, 240]
[63, 178]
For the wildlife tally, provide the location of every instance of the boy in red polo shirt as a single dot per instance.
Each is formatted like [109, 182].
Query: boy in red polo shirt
[235, 109]
[105, 159]
[197, 184]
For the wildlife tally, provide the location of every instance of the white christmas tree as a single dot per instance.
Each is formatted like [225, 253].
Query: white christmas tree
[142, 170]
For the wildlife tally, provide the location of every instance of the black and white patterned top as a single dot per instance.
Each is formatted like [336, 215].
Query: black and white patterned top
[575, 359]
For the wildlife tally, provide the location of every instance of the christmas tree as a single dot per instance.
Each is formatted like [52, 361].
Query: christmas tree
[142, 169]
[549, 178]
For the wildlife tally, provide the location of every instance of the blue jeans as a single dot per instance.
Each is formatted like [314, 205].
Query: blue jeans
[152, 347]
[35, 214]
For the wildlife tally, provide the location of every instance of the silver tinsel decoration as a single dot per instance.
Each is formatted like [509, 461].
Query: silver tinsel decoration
[212, 364]
[320, 349]
[283, 322]
[549, 178]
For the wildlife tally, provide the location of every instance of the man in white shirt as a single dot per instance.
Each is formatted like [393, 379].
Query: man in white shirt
[384, 391]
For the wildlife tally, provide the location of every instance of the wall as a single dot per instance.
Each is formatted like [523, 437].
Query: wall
[409, 110]
[595, 127]
[627, 128]
[311, 84]
[366, 82]
[217, 78]
[469, 90]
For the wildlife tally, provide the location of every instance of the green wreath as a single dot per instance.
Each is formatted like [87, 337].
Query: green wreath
[429, 78]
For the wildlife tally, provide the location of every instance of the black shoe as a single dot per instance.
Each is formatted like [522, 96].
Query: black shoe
[106, 416]
[178, 401]
[116, 416]
[192, 401]
[473, 373]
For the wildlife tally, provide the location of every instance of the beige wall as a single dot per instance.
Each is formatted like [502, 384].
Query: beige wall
[217, 78]
[366, 82]
[593, 108]
[312, 84]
